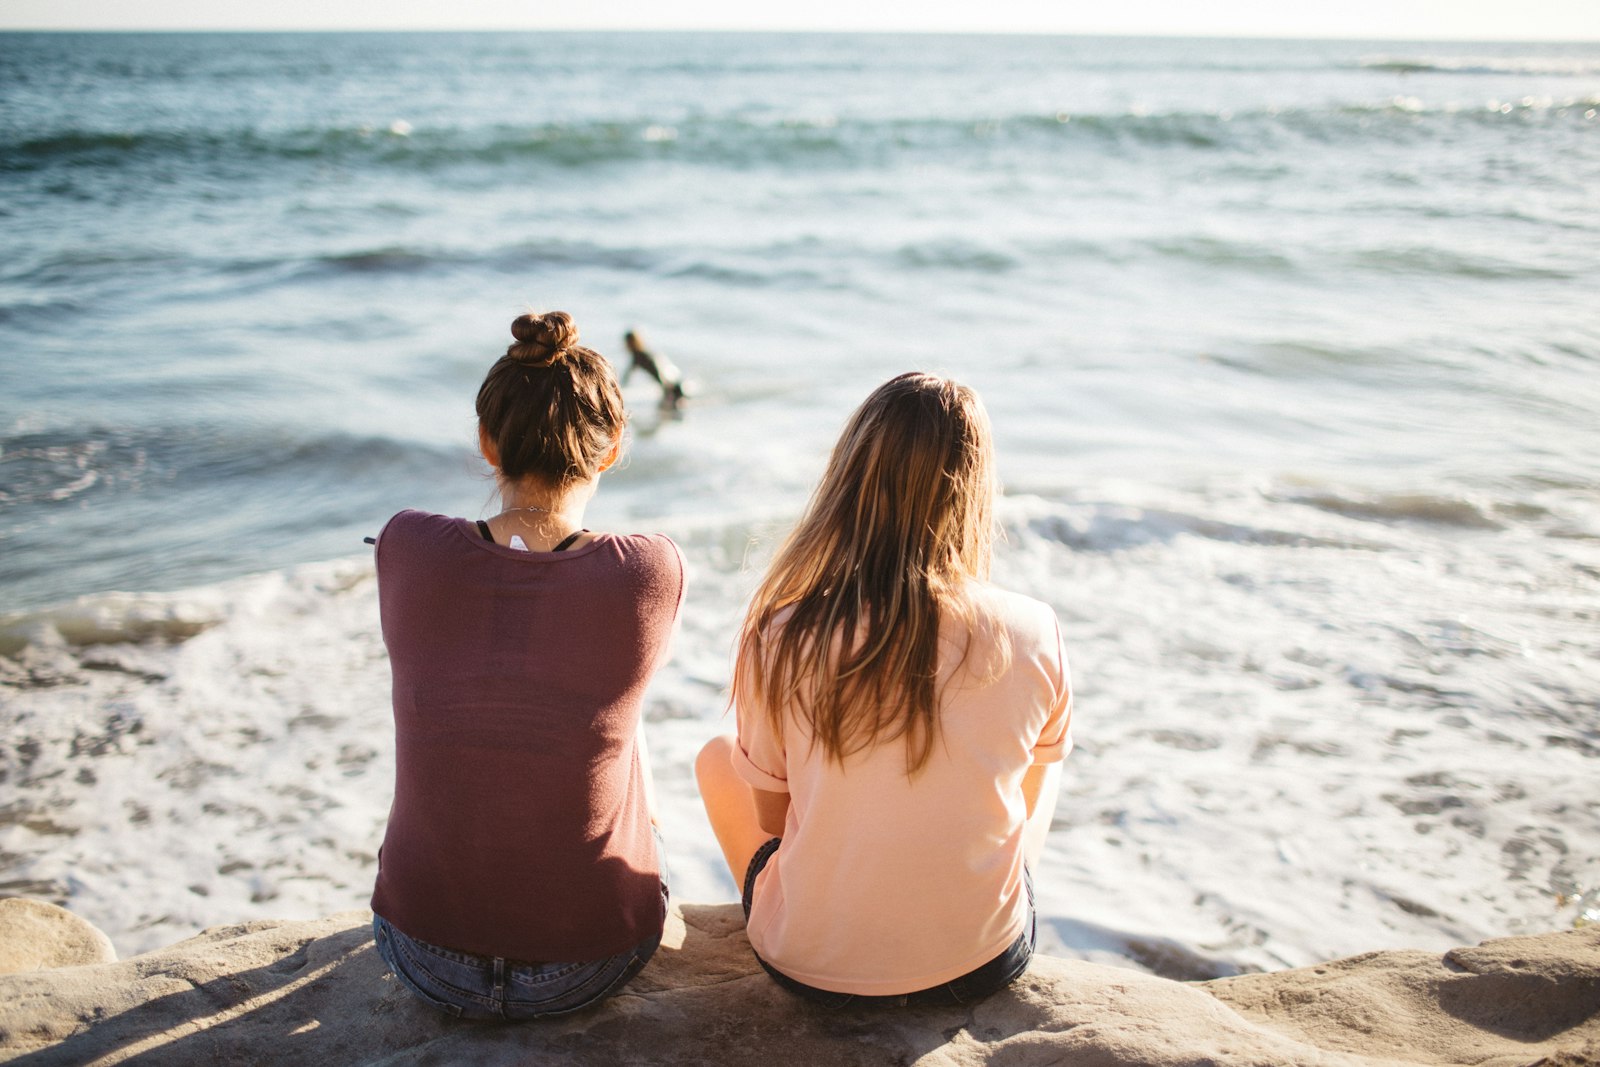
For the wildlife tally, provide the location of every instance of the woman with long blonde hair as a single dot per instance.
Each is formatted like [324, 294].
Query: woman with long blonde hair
[901, 723]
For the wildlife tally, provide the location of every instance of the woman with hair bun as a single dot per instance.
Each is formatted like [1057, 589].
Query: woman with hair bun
[901, 724]
[521, 874]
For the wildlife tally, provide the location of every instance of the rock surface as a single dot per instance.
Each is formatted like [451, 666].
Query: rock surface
[35, 935]
[316, 993]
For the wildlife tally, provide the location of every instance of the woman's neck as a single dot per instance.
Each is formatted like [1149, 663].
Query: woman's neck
[567, 504]
[541, 515]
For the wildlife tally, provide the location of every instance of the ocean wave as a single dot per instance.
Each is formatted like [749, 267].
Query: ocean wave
[1302, 360]
[396, 145]
[418, 259]
[155, 618]
[1107, 527]
[1217, 251]
[41, 313]
[46, 468]
[955, 255]
[1449, 263]
[69, 266]
[744, 273]
[51, 468]
[1263, 258]
[116, 618]
[739, 142]
[1436, 509]
[752, 265]
[381, 261]
[1562, 66]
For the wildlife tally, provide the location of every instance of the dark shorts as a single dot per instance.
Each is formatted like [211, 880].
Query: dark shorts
[976, 984]
[489, 987]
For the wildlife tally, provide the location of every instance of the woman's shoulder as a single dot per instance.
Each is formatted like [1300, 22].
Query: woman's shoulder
[653, 556]
[1024, 634]
[649, 547]
[412, 523]
[1022, 617]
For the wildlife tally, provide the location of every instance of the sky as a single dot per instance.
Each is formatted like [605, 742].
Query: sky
[1555, 20]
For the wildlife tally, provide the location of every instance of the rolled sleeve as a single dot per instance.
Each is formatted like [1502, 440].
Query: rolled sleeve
[759, 756]
[1055, 739]
[751, 772]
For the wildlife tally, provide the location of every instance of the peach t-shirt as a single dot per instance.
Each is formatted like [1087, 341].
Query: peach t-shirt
[887, 885]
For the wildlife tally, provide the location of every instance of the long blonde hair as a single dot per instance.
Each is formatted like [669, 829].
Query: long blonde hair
[844, 628]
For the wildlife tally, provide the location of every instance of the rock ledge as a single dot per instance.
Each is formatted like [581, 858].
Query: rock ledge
[316, 993]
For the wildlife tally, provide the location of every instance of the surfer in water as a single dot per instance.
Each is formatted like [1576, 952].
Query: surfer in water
[663, 370]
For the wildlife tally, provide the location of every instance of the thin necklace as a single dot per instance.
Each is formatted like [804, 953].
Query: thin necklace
[552, 512]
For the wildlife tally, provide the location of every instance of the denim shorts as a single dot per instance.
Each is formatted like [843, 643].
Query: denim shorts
[490, 987]
[976, 984]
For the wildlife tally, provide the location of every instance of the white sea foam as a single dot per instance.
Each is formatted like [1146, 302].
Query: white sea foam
[115, 618]
[1289, 752]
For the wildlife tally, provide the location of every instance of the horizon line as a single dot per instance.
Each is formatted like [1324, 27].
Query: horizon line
[804, 31]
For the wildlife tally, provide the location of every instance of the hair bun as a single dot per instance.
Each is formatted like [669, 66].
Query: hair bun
[542, 339]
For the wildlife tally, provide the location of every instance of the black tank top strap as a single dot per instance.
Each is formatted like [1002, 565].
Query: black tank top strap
[483, 528]
[566, 542]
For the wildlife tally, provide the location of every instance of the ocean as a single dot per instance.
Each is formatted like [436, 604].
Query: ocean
[1290, 350]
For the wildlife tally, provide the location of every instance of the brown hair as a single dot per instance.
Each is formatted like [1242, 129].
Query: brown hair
[552, 407]
[844, 628]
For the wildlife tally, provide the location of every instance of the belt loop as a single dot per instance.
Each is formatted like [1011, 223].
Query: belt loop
[500, 984]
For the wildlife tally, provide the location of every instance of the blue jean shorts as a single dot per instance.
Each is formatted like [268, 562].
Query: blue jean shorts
[976, 984]
[467, 986]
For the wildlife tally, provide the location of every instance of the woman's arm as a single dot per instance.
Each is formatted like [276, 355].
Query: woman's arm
[649, 779]
[771, 810]
[740, 814]
[1041, 787]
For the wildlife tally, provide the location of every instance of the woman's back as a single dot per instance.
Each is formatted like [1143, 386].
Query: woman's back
[888, 881]
[900, 722]
[518, 678]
